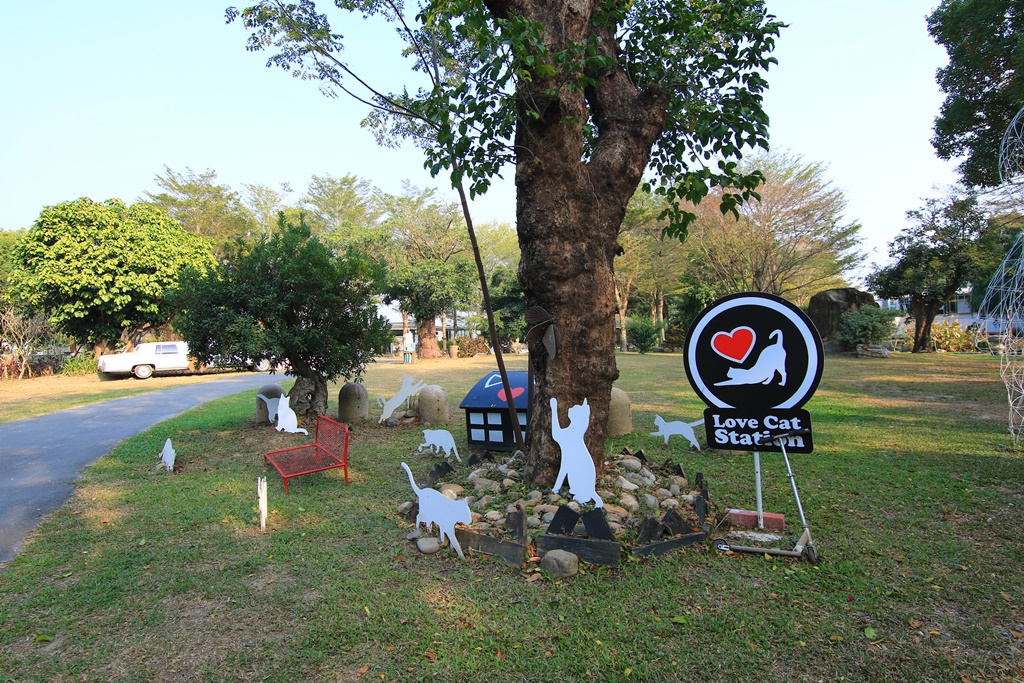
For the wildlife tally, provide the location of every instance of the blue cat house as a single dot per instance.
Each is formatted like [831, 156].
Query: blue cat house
[488, 425]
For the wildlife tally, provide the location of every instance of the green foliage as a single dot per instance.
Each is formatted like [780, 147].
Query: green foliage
[201, 205]
[102, 270]
[509, 305]
[493, 65]
[868, 325]
[643, 333]
[344, 207]
[286, 298]
[949, 243]
[983, 82]
[82, 365]
[8, 238]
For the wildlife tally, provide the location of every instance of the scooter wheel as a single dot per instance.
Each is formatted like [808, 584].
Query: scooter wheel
[812, 554]
[719, 544]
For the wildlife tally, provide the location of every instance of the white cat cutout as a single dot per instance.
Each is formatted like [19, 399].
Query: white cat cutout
[439, 439]
[287, 420]
[576, 465]
[436, 508]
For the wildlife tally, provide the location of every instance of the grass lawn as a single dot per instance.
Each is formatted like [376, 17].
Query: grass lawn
[915, 503]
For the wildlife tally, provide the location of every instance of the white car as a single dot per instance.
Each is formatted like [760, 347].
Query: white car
[146, 359]
[153, 357]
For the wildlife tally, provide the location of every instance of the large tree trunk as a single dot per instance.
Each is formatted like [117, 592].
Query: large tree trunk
[428, 347]
[308, 397]
[568, 213]
[621, 304]
[924, 316]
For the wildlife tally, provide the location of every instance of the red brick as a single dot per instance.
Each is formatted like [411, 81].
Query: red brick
[748, 518]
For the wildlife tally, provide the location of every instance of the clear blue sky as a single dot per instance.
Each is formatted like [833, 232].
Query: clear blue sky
[98, 97]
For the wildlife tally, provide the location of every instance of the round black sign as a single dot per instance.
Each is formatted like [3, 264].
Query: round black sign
[753, 352]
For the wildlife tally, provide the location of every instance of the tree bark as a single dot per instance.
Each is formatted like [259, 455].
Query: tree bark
[621, 304]
[568, 213]
[308, 397]
[428, 347]
[924, 316]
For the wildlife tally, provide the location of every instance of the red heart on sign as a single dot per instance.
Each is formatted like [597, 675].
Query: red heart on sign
[516, 393]
[735, 345]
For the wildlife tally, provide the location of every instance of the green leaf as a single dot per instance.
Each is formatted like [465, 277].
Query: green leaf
[870, 633]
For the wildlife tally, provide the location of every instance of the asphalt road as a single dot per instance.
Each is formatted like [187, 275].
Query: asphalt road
[41, 456]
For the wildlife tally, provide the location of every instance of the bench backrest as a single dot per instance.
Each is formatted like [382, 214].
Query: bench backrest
[332, 436]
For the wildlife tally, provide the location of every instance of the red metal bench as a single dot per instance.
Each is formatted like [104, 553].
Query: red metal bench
[328, 451]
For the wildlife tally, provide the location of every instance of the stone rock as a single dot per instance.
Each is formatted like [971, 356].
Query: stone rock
[391, 422]
[483, 484]
[580, 529]
[548, 516]
[650, 501]
[475, 516]
[451, 495]
[631, 464]
[353, 403]
[826, 308]
[620, 414]
[871, 351]
[663, 494]
[405, 507]
[625, 484]
[483, 503]
[681, 482]
[674, 489]
[493, 516]
[508, 483]
[454, 488]
[532, 522]
[433, 405]
[554, 498]
[542, 509]
[512, 474]
[270, 391]
[428, 545]
[669, 504]
[616, 511]
[559, 564]
[574, 506]
[483, 526]
[414, 534]
[535, 495]
[629, 502]
[477, 473]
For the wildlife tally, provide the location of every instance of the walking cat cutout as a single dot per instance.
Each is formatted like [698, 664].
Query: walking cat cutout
[576, 465]
[771, 361]
[167, 456]
[439, 439]
[667, 429]
[436, 508]
[287, 420]
[408, 388]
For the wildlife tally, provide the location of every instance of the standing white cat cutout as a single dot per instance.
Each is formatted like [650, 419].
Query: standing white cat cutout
[576, 465]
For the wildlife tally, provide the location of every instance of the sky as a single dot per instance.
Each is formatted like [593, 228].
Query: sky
[97, 98]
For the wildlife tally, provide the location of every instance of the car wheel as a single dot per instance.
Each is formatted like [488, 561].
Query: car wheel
[262, 366]
[143, 371]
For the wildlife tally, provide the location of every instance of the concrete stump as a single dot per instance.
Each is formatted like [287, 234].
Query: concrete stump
[353, 403]
[433, 405]
[620, 414]
[270, 391]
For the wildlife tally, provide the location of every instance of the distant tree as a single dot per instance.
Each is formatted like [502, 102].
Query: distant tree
[509, 305]
[867, 325]
[287, 298]
[949, 243]
[430, 270]
[983, 82]
[344, 206]
[265, 203]
[644, 333]
[8, 238]
[101, 271]
[792, 243]
[201, 205]
[499, 246]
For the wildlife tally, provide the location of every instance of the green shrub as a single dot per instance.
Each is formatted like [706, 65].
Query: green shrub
[643, 333]
[869, 325]
[79, 366]
[675, 335]
[949, 336]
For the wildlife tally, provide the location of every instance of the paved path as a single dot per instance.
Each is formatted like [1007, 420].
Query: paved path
[41, 456]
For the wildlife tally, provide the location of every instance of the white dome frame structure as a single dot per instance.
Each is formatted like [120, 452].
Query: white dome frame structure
[1001, 314]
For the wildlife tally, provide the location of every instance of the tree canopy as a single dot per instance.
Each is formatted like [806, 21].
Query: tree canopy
[983, 82]
[583, 97]
[287, 298]
[949, 242]
[201, 205]
[101, 270]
